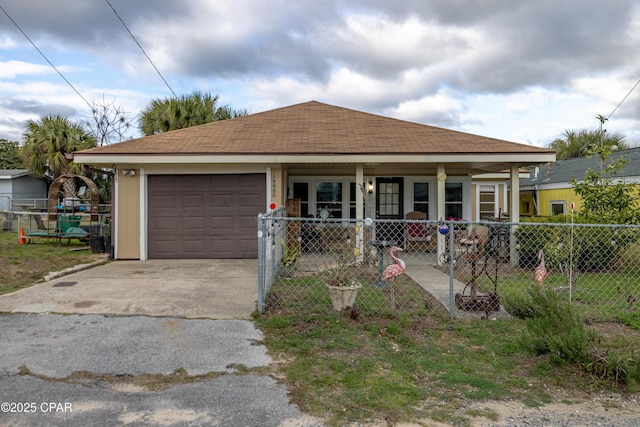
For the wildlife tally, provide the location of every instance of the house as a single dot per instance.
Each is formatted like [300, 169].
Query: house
[548, 190]
[19, 190]
[196, 192]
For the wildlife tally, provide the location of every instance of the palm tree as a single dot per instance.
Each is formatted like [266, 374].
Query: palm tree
[584, 142]
[167, 114]
[46, 145]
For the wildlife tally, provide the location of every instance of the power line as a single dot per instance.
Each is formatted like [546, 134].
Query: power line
[624, 99]
[45, 58]
[145, 53]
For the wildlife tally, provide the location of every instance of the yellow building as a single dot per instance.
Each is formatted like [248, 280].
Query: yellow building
[548, 190]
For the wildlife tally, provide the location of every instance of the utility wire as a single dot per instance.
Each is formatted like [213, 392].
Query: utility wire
[45, 58]
[623, 99]
[145, 53]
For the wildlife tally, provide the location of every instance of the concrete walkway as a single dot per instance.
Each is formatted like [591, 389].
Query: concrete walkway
[213, 289]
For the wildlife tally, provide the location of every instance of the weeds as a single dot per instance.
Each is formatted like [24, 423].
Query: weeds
[554, 327]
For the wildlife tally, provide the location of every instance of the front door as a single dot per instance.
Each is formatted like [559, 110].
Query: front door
[389, 205]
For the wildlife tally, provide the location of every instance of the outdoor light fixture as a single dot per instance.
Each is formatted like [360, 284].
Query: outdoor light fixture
[370, 187]
[130, 172]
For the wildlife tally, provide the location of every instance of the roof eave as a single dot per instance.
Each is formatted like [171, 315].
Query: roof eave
[111, 159]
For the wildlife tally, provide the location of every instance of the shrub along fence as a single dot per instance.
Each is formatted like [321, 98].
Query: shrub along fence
[461, 268]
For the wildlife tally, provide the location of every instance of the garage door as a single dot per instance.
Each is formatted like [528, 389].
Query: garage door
[204, 216]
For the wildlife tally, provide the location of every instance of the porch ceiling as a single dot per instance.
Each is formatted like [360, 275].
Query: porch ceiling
[395, 168]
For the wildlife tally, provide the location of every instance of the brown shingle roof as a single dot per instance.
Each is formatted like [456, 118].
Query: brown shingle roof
[314, 128]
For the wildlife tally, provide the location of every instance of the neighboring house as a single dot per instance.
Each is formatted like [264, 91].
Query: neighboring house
[548, 190]
[196, 192]
[21, 190]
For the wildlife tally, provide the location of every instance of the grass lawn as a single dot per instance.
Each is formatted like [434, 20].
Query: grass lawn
[369, 366]
[24, 265]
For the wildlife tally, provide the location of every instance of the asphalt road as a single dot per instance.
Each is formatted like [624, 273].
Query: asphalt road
[42, 354]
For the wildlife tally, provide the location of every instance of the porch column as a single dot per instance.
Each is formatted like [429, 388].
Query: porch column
[514, 212]
[440, 207]
[360, 195]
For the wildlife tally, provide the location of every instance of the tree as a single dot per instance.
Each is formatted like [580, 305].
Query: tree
[46, 145]
[605, 199]
[582, 143]
[10, 155]
[108, 123]
[163, 115]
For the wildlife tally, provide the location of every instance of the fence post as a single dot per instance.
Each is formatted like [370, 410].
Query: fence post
[261, 264]
[452, 254]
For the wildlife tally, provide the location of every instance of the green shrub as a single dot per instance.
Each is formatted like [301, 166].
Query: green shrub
[553, 327]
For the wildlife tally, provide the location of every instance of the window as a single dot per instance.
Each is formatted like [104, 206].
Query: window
[329, 199]
[389, 197]
[558, 207]
[301, 191]
[421, 197]
[487, 201]
[352, 199]
[453, 200]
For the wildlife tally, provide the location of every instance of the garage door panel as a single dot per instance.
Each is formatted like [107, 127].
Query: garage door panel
[222, 200]
[166, 201]
[194, 225]
[163, 224]
[193, 201]
[247, 199]
[204, 216]
[194, 247]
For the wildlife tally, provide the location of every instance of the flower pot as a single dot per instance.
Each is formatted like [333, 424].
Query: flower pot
[343, 296]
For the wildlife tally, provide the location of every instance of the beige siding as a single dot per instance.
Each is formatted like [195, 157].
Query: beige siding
[128, 215]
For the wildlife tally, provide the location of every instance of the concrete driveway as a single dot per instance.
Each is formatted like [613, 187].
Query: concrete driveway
[206, 289]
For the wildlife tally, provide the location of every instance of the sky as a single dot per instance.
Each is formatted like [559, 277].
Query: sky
[519, 70]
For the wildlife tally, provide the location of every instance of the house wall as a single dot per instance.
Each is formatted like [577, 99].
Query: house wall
[128, 214]
[24, 189]
[545, 197]
[5, 195]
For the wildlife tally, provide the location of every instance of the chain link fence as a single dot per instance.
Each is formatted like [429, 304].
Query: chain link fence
[461, 269]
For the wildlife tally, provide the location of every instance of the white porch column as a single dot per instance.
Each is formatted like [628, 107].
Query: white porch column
[514, 212]
[440, 209]
[143, 215]
[360, 195]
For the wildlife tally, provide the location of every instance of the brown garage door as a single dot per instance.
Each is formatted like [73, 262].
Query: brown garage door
[204, 216]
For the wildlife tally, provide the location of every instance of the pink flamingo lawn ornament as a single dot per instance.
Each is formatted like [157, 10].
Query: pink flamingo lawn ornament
[540, 273]
[393, 270]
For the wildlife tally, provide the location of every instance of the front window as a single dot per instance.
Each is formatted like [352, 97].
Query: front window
[453, 200]
[329, 199]
[421, 197]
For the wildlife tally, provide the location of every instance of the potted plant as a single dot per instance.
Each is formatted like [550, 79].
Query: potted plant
[288, 260]
[343, 287]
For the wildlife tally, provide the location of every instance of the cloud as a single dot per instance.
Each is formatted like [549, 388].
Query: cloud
[462, 64]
